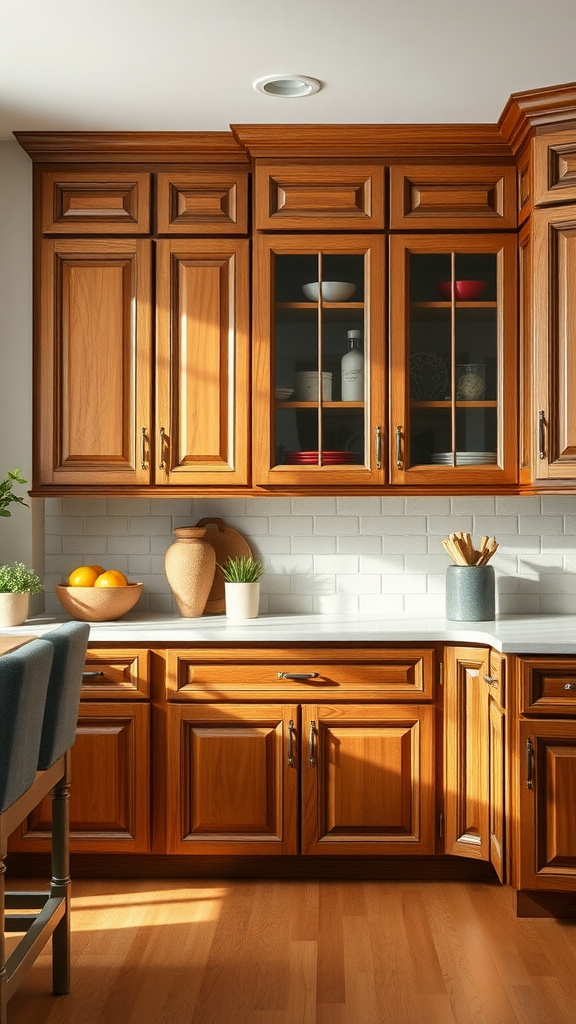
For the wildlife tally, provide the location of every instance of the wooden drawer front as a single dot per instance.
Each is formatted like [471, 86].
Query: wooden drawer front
[555, 168]
[95, 202]
[116, 675]
[319, 197]
[203, 203]
[452, 197]
[548, 685]
[254, 675]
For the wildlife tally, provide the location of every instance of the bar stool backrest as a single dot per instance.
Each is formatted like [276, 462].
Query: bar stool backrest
[69, 644]
[24, 676]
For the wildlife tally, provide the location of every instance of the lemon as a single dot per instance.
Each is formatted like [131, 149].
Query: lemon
[111, 578]
[99, 569]
[83, 576]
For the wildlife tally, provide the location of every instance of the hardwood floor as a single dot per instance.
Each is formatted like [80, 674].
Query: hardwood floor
[305, 952]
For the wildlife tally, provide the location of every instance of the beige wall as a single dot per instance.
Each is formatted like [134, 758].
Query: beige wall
[22, 535]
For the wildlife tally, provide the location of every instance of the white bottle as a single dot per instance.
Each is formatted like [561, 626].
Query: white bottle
[353, 369]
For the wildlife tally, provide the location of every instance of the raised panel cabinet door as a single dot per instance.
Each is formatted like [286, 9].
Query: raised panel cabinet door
[554, 319]
[547, 825]
[457, 198]
[232, 774]
[92, 363]
[110, 787]
[453, 360]
[319, 197]
[203, 202]
[467, 754]
[368, 779]
[554, 168]
[202, 360]
[95, 202]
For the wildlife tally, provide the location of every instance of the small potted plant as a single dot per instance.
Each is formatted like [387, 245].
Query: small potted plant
[242, 586]
[17, 582]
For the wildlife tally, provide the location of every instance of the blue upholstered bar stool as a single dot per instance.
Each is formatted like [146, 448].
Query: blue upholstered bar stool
[68, 646]
[24, 677]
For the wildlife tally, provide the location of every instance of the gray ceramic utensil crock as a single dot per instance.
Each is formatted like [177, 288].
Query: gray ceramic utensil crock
[470, 593]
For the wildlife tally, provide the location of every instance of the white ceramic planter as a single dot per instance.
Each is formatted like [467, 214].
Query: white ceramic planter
[13, 609]
[242, 600]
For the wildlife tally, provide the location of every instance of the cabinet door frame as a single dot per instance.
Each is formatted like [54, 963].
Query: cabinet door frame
[273, 728]
[265, 473]
[537, 829]
[57, 347]
[175, 459]
[412, 731]
[433, 477]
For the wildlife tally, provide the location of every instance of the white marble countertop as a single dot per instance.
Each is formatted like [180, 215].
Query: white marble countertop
[511, 634]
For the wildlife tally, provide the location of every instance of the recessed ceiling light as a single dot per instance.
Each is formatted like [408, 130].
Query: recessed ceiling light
[287, 86]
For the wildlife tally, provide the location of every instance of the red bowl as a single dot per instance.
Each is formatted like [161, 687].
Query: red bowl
[464, 291]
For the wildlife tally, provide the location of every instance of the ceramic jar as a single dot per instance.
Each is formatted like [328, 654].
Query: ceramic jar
[190, 564]
[470, 593]
[13, 609]
[242, 600]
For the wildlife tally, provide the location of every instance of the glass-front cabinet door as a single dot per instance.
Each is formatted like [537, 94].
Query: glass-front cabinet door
[319, 368]
[453, 397]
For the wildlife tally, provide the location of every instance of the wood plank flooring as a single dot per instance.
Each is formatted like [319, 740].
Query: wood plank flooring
[305, 952]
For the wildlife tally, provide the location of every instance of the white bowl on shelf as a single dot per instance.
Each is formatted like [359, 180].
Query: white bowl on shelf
[332, 291]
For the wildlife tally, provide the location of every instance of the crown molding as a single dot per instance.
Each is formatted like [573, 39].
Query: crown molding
[537, 109]
[132, 147]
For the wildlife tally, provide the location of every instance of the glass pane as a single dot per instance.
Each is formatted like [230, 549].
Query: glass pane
[429, 358]
[476, 358]
[312, 336]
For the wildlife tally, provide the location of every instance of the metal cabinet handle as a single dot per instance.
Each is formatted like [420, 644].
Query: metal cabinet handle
[161, 439]
[297, 675]
[398, 447]
[492, 681]
[91, 675]
[291, 743]
[541, 425]
[143, 437]
[529, 763]
[378, 447]
[311, 743]
[570, 686]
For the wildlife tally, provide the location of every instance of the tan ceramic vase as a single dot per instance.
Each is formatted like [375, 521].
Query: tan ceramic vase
[190, 565]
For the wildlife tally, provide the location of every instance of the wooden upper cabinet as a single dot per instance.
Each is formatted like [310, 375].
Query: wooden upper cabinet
[319, 197]
[459, 198]
[109, 202]
[554, 162]
[368, 779]
[554, 320]
[93, 362]
[202, 359]
[202, 202]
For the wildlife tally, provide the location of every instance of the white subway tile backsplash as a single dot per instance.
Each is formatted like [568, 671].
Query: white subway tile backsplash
[378, 555]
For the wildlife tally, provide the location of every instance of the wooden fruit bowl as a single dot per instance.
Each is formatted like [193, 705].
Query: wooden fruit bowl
[98, 604]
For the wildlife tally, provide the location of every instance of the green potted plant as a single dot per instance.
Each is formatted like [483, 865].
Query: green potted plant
[17, 582]
[242, 586]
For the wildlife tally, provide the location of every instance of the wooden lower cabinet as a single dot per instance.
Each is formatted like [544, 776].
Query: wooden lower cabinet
[368, 779]
[110, 788]
[547, 801]
[367, 774]
[474, 755]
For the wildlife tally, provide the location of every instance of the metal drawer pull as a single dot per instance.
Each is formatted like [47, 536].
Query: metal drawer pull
[143, 435]
[529, 763]
[541, 422]
[161, 437]
[297, 675]
[492, 681]
[398, 447]
[291, 743]
[378, 447]
[570, 686]
[90, 675]
[311, 743]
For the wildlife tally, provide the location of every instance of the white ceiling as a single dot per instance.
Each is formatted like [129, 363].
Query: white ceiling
[187, 65]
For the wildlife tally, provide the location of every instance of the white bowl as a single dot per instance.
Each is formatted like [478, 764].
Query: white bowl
[332, 291]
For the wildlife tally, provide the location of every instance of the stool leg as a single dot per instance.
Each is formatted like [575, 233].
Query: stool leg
[3, 981]
[61, 882]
